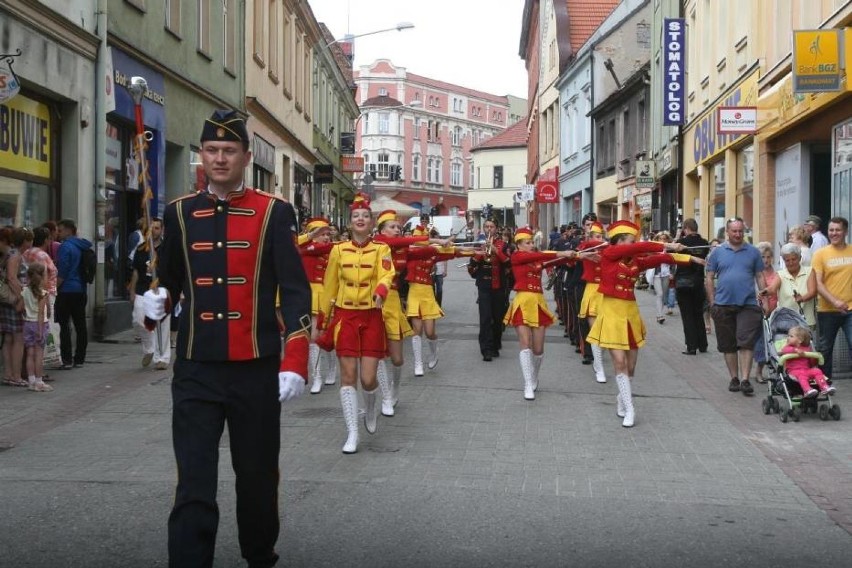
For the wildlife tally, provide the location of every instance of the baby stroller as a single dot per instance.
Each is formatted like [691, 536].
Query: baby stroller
[782, 384]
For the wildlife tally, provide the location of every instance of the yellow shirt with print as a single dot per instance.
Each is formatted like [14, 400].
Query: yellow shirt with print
[355, 274]
[835, 267]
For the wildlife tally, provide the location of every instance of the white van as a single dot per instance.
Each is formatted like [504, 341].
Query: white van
[446, 225]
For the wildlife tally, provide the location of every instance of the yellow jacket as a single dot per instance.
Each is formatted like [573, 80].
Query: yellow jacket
[355, 274]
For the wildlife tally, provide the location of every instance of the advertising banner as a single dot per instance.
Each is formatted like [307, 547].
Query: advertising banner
[817, 60]
[351, 164]
[646, 174]
[674, 71]
[736, 120]
[547, 191]
[25, 137]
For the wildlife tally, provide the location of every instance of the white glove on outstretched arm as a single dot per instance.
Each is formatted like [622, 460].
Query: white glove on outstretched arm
[290, 385]
[154, 303]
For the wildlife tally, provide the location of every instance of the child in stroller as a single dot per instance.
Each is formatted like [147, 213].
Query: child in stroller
[803, 365]
[787, 359]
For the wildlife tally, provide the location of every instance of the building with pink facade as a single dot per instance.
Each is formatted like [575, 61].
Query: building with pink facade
[415, 135]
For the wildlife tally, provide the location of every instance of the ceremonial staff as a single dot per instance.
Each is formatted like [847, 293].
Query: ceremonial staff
[138, 89]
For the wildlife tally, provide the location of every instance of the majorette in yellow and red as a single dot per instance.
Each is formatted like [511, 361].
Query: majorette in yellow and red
[421, 262]
[618, 324]
[356, 273]
[396, 324]
[314, 259]
[230, 258]
[591, 275]
[528, 306]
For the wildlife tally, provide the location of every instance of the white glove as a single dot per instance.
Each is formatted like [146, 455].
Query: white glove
[290, 385]
[154, 304]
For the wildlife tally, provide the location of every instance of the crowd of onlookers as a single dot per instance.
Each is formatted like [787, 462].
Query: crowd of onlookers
[41, 282]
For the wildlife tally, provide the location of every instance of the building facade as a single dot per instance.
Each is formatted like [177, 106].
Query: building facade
[415, 134]
[500, 164]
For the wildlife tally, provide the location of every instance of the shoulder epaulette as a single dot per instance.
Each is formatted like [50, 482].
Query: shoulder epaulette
[187, 196]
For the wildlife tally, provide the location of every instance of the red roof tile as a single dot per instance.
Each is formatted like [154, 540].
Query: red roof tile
[515, 136]
[584, 17]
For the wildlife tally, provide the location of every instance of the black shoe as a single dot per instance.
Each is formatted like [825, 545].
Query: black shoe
[734, 385]
[703, 350]
[78, 365]
[688, 352]
[746, 388]
[587, 361]
[495, 354]
[486, 356]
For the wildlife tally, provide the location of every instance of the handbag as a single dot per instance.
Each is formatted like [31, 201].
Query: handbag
[7, 296]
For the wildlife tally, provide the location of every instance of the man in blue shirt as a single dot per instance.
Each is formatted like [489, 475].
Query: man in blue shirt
[71, 294]
[731, 272]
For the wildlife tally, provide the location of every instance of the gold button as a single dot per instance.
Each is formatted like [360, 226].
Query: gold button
[219, 244]
[219, 316]
[219, 281]
[220, 209]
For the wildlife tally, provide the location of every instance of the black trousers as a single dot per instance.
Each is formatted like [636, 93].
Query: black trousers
[71, 308]
[583, 326]
[492, 308]
[691, 304]
[206, 396]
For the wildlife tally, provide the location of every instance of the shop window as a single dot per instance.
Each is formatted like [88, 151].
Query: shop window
[718, 191]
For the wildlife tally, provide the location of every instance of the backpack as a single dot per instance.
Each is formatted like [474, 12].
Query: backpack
[88, 265]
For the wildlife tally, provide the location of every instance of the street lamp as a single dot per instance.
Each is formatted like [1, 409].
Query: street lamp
[348, 37]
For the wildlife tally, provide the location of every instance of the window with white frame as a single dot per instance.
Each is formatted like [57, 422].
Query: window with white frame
[430, 164]
[383, 92]
[383, 165]
[173, 16]
[203, 27]
[384, 123]
[229, 31]
[457, 135]
[437, 170]
[415, 167]
[365, 123]
[471, 179]
[456, 173]
[417, 129]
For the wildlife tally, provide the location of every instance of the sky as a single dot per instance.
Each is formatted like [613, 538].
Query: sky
[471, 43]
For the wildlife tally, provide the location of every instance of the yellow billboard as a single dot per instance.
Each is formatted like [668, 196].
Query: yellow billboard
[25, 137]
[817, 60]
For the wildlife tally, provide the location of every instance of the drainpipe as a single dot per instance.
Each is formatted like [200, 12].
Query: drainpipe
[592, 128]
[99, 313]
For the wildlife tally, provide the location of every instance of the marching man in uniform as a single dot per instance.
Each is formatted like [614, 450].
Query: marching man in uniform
[230, 250]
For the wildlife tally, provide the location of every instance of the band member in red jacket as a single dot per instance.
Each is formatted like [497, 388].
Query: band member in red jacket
[396, 324]
[528, 312]
[591, 297]
[314, 246]
[230, 251]
[422, 307]
[619, 327]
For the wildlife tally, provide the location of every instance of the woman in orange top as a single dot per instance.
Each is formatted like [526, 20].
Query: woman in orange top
[396, 324]
[314, 246]
[528, 312]
[619, 326]
[357, 281]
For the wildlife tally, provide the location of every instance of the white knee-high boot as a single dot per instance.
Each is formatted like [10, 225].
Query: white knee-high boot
[371, 416]
[385, 386]
[525, 357]
[396, 375]
[417, 347]
[625, 390]
[537, 359]
[349, 403]
[313, 368]
[331, 367]
[597, 363]
[433, 353]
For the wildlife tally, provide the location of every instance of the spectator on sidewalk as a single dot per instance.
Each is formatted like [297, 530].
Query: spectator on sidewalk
[11, 322]
[689, 289]
[798, 236]
[833, 267]
[156, 343]
[39, 253]
[658, 278]
[768, 302]
[736, 265]
[796, 284]
[72, 294]
[812, 228]
[36, 314]
[53, 246]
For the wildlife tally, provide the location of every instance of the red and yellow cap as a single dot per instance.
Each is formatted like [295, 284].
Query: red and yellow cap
[361, 201]
[316, 223]
[420, 231]
[386, 215]
[623, 228]
[524, 234]
[596, 228]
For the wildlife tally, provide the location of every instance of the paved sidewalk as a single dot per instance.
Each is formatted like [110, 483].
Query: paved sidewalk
[466, 474]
